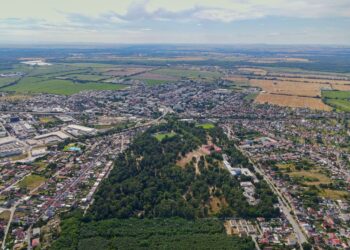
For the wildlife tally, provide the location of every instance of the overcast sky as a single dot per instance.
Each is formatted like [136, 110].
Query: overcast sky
[175, 21]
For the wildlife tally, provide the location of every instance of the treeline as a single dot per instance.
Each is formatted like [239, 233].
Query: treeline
[174, 233]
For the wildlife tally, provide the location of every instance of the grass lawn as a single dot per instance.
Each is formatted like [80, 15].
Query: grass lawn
[31, 182]
[250, 97]
[5, 215]
[47, 119]
[334, 194]
[311, 177]
[206, 126]
[60, 87]
[162, 136]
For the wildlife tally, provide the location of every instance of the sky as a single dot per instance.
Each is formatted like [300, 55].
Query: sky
[175, 21]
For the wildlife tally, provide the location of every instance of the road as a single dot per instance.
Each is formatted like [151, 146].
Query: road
[285, 206]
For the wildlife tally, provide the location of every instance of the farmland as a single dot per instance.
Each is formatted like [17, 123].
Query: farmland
[340, 100]
[292, 101]
[56, 86]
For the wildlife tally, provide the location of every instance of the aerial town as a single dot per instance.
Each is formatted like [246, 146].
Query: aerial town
[56, 149]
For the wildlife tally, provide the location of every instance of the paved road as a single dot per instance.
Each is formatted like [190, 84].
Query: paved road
[286, 208]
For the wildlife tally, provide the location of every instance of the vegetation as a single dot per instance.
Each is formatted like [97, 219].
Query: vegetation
[31, 182]
[55, 86]
[149, 202]
[340, 100]
[174, 233]
[206, 126]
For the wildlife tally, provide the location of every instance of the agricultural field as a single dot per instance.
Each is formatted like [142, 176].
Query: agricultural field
[289, 88]
[185, 73]
[55, 86]
[340, 100]
[31, 182]
[292, 101]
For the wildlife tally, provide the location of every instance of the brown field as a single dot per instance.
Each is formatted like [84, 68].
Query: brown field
[197, 154]
[289, 88]
[341, 87]
[312, 80]
[216, 204]
[154, 76]
[292, 101]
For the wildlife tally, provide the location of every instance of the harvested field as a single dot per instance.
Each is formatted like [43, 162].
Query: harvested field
[290, 88]
[307, 80]
[341, 87]
[292, 101]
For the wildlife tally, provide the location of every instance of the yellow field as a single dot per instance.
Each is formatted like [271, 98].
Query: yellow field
[292, 101]
[289, 88]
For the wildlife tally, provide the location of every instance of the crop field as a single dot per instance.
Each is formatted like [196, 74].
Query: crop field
[56, 86]
[340, 100]
[292, 101]
[341, 87]
[289, 88]
[185, 73]
[31, 182]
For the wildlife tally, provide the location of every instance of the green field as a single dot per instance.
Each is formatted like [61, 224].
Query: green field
[340, 100]
[6, 80]
[187, 73]
[206, 125]
[85, 77]
[162, 136]
[55, 86]
[31, 182]
[153, 82]
[339, 104]
[336, 94]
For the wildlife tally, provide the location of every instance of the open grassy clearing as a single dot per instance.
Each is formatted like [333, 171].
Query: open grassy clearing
[334, 194]
[162, 136]
[5, 215]
[31, 182]
[206, 125]
[60, 87]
